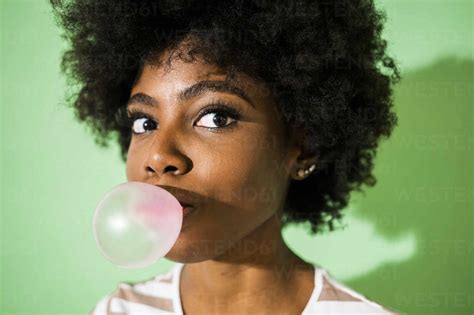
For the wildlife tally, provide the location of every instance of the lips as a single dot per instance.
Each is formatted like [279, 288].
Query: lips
[187, 208]
[184, 204]
[187, 211]
[187, 199]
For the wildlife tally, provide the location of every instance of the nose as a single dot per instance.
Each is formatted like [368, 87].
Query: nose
[165, 157]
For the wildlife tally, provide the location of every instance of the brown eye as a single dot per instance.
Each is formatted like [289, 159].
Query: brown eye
[219, 116]
[218, 119]
[141, 125]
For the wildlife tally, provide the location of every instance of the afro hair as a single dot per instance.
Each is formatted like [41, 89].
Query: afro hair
[325, 62]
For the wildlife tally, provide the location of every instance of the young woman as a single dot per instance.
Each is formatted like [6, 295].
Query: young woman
[254, 114]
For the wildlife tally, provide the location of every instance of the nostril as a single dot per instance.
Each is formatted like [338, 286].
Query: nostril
[170, 168]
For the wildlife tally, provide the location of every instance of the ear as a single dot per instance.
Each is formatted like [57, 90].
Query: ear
[301, 161]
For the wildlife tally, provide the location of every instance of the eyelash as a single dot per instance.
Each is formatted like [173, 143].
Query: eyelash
[218, 107]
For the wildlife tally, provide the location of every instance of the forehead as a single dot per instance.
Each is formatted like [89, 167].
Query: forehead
[167, 81]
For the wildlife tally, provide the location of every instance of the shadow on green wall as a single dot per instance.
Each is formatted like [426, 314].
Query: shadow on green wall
[425, 185]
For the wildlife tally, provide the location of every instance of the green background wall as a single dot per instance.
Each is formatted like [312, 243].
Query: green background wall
[408, 242]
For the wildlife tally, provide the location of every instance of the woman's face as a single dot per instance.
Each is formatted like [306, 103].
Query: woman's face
[235, 169]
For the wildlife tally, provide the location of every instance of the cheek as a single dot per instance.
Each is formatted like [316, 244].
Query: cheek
[134, 162]
[129, 171]
[249, 176]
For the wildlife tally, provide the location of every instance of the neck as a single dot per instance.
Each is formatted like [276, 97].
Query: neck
[258, 269]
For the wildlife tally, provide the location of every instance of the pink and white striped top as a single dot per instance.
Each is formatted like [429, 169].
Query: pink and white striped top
[161, 295]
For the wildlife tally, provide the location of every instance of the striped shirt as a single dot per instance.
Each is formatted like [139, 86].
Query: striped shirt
[161, 295]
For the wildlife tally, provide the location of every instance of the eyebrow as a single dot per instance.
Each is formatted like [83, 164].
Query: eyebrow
[193, 91]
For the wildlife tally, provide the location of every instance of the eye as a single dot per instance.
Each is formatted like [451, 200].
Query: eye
[139, 122]
[215, 118]
[218, 116]
[141, 125]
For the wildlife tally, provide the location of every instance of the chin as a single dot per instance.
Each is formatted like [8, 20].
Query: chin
[186, 251]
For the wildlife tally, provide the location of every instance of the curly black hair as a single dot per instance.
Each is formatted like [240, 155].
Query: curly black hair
[325, 61]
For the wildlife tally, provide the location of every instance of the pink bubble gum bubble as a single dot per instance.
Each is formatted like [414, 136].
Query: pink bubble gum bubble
[136, 224]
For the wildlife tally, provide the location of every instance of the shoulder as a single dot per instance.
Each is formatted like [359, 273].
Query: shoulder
[334, 297]
[153, 296]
